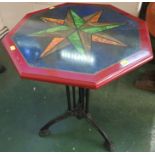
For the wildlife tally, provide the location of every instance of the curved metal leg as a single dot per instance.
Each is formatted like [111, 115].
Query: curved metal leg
[44, 131]
[80, 109]
[107, 143]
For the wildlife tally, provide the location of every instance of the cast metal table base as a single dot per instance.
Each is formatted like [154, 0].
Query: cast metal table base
[79, 108]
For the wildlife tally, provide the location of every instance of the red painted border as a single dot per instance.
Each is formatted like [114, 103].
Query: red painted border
[78, 79]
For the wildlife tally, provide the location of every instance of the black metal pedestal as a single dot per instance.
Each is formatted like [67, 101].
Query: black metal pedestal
[79, 108]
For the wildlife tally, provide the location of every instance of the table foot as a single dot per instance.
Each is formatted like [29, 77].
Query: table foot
[107, 143]
[109, 146]
[44, 131]
[2, 69]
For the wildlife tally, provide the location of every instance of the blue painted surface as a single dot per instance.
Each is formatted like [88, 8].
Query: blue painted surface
[103, 55]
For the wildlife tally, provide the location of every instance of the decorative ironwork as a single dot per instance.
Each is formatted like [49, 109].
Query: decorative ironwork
[79, 108]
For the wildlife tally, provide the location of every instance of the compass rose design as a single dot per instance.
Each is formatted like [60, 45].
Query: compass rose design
[78, 31]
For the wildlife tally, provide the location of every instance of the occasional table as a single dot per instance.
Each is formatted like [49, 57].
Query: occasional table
[82, 46]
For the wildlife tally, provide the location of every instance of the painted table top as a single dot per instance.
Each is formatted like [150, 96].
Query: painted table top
[78, 44]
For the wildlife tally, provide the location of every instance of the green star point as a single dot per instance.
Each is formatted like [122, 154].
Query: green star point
[51, 30]
[77, 19]
[100, 28]
[74, 38]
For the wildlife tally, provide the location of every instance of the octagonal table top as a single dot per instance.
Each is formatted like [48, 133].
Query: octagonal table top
[85, 45]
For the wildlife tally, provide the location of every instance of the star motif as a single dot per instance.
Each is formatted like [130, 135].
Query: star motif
[79, 32]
